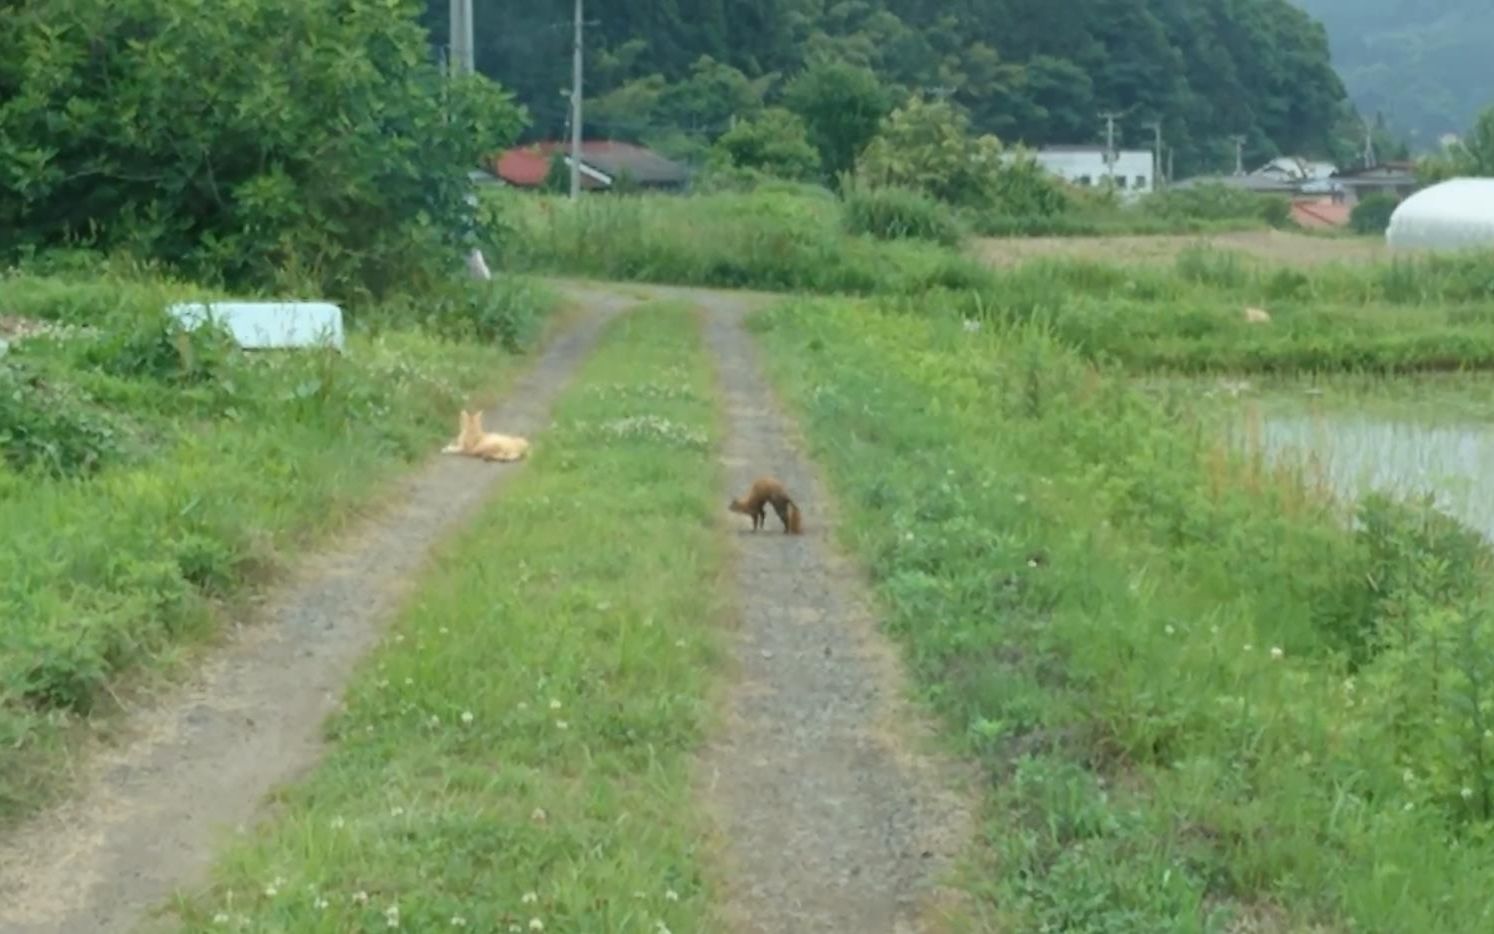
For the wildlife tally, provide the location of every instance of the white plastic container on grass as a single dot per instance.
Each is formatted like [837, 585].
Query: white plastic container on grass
[1457, 214]
[269, 325]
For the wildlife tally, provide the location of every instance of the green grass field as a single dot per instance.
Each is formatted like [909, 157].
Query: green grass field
[517, 752]
[147, 480]
[1211, 690]
[1203, 699]
[1186, 315]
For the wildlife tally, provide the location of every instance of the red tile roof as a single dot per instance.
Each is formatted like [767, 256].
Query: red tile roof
[1321, 213]
[528, 166]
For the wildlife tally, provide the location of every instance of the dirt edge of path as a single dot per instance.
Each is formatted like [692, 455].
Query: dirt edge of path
[150, 813]
[833, 807]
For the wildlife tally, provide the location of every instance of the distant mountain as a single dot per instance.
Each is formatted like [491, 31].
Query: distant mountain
[1425, 64]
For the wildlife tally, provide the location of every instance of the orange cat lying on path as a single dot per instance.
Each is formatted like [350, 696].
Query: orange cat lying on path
[472, 441]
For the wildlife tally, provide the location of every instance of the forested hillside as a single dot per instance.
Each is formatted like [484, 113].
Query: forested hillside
[1039, 71]
[1422, 63]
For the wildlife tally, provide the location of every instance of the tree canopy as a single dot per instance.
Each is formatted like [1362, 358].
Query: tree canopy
[306, 138]
[1030, 71]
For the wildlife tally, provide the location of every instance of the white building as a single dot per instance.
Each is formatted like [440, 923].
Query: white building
[1457, 214]
[1086, 166]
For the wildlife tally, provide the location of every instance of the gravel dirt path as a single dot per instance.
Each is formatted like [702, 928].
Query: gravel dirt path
[151, 814]
[833, 813]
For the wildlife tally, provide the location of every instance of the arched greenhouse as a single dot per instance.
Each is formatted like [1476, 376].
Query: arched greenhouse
[1457, 214]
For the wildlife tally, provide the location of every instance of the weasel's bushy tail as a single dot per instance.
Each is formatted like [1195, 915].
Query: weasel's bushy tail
[794, 518]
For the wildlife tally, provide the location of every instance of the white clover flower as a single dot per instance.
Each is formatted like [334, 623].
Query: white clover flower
[467, 717]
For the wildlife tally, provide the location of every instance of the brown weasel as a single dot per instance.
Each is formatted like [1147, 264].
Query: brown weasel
[766, 490]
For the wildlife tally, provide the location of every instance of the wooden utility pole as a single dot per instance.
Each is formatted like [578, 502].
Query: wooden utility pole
[576, 106]
[1156, 127]
[1110, 117]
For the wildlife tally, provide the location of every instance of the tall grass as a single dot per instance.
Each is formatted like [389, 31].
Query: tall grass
[517, 754]
[776, 241]
[149, 476]
[1206, 699]
[1413, 314]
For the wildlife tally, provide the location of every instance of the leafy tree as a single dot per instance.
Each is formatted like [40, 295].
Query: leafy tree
[776, 143]
[1032, 71]
[309, 139]
[842, 105]
[926, 146]
[1474, 154]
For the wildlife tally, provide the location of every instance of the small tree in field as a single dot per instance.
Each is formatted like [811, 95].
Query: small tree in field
[926, 146]
[776, 143]
[841, 105]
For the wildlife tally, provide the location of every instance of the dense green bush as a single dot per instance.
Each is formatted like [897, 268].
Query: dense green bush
[1216, 202]
[901, 213]
[49, 426]
[1372, 214]
[774, 142]
[927, 146]
[504, 311]
[235, 146]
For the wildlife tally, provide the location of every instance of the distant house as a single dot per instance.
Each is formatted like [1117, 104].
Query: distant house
[1132, 173]
[1297, 169]
[605, 164]
[1320, 213]
[1393, 178]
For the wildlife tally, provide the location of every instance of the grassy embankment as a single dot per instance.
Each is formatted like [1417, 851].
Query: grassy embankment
[148, 478]
[517, 752]
[1407, 315]
[1203, 698]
